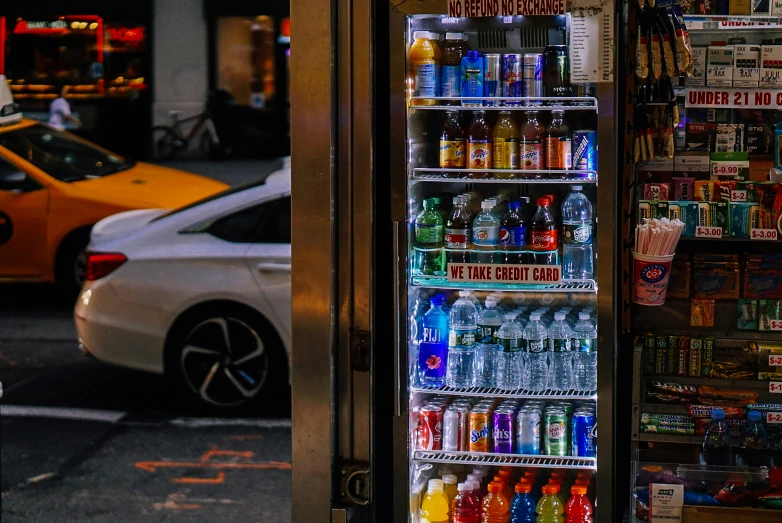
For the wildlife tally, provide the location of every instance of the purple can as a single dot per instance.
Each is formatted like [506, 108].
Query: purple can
[512, 65]
[584, 429]
[503, 429]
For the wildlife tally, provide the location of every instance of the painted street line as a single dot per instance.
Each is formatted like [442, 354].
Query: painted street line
[19, 411]
[231, 422]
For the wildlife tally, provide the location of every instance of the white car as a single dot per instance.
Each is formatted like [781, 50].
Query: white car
[201, 294]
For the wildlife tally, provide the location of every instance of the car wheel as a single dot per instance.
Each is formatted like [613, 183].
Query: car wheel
[163, 143]
[72, 263]
[227, 358]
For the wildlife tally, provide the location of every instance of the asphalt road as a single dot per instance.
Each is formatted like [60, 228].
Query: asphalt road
[85, 441]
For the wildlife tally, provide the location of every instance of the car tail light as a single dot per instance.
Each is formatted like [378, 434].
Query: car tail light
[100, 264]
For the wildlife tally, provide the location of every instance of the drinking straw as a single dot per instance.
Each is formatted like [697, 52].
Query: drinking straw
[658, 237]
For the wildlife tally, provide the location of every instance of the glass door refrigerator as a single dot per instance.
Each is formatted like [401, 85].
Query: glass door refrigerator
[502, 162]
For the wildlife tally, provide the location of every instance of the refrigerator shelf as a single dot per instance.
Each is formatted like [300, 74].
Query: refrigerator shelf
[510, 460]
[544, 103]
[572, 177]
[500, 393]
[440, 282]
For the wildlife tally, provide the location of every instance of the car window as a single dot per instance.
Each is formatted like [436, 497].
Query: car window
[62, 155]
[269, 222]
[231, 190]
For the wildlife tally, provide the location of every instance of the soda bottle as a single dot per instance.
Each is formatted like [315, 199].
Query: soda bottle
[421, 78]
[510, 358]
[429, 257]
[485, 235]
[505, 145]
[578, 508]
[494, 505]
[461, 343]
[522, 507]
[536, 369]
[455, 49]
[434, 508]
[543, 237]
[472, 78]
[585, 354]
[479, 148]
[550, 507]
[458, 233]
[753, 444]
[559, 353]
[449, 487]
[558, 143]
[577, 259]
[434, 40]
[466, 507]
[531, 144]
[453, 147]
[433, 346]
[717, 447]
[513, 234]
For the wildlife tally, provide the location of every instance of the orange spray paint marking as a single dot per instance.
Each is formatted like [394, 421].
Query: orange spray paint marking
[201, 481]
[152, 466]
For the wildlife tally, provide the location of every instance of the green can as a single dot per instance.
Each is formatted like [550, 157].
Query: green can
[556, 441]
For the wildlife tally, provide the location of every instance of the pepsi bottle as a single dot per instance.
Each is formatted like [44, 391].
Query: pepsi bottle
[513, 232]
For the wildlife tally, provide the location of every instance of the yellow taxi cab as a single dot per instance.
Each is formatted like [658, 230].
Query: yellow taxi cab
[54, 186]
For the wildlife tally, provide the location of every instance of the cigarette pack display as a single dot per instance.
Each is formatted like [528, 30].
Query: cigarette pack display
[746, 65]
[704, 214]
[770, 66]
[657, 191]
[747, 315]
[762, 284]
[740, 7]
[689, 216]
[729, 138]
[768, 310]
[698, 78]
[704, 190]
[700, 135]
[720, 216]
[719, 66]
[740, 219]
[684, 188]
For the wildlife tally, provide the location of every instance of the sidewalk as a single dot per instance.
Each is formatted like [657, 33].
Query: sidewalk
[232, 172]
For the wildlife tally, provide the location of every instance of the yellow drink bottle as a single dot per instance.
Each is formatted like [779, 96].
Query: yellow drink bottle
[434, 508]
[421, 78]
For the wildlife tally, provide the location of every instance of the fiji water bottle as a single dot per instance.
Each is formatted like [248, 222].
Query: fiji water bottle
[433, 345]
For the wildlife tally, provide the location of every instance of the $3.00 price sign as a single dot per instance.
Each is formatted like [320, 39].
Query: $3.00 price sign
[775, 360]
[708, 232]
[774, 418]
[775, 325]
[775, 387]
[763, 234]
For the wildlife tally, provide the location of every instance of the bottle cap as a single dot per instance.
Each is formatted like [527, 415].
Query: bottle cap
[437, 300]
[582, 482]
[464, 294]
[474, 485]
[421, 34]
[753, 415]
[487, 204]
[549, 489]
[435, 485]
[556, 481]
[514, 205]
[534, 316]
[509, 317]
[473, 477]
[578, 490]
[523, 487]
[453, 36]
[495, 487]
[449, 479]
[543, 202]
[717, 413]
[576, 187]
[583, 315]
[498, 479]
[491, 301]
[557, 474]
[463, 487]
[504, 473]
[456, 200]
[559, 316]
[473, 55]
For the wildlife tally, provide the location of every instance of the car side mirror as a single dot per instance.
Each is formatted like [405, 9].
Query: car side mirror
[16, 181]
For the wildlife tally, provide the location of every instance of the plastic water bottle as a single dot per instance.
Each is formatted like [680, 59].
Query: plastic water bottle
[717, 447]
[585, 354]
[488, 321]
[485, 235]
[560, 341]
[522, 506]
[577, 259]
[510, 358]
[433, 345]
[536, 368]
[753, 445]
[461, 343]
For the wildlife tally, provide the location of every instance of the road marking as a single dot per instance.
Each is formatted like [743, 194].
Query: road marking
[19, 411]
[41, 477]
[232, 453]
[195, 423]
[201, 481]
[152, 466]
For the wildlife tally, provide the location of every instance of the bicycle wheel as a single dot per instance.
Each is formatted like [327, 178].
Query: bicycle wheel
[163, 143]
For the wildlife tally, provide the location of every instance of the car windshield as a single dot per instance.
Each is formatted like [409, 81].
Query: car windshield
[62, 155]
[233, 190]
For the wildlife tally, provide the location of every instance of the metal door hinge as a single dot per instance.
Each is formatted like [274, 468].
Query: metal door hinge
[354, 483]
[359, 350]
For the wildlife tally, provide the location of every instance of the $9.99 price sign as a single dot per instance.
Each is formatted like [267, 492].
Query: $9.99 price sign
[775, 387]
[763, 234]
[708, 232]
[774, 418]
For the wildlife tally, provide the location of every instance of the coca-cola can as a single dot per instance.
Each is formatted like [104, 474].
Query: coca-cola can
[455, 428]
[430, 428]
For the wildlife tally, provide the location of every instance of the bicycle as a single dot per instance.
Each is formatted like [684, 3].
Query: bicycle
[169, 140]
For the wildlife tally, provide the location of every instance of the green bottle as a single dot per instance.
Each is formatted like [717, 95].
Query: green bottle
[428, 241]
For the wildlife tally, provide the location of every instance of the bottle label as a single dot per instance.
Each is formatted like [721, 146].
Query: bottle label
[566, 152]
[452, 154]
[577, 233]
[523, 345]
[531, 155]
[584, 345]
[424, 75]
[479, 154]
[487, 334]
[428, 235]
[513, 236]
[458, 238]
[536, 346]
[431, 335]
[505, 153]
[559, 345]
[544, 240]
[554, 158]
[452, 77]
[438, 80]
[461, 338]
[508, 344]
[486, 236]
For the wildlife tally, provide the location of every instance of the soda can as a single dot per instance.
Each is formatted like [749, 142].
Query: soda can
[480, 430]
[556, 441]
[455, 428]
[430, 424]
[502, 431]
[584, 434]
[585, 150]
[492, 77]
[528, 432]
[512, 73]
[532, 75]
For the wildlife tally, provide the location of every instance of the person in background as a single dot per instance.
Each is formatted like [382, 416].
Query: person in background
[60, 112]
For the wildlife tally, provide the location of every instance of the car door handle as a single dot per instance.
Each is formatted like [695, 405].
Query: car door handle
[274, 267]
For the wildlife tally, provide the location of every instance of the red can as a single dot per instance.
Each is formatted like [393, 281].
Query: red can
[430, 428]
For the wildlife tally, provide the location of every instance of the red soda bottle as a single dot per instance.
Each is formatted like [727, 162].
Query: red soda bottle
[466, 507]
[578, 508]
[544, 235]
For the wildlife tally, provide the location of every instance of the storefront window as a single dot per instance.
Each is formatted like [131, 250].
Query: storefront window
[245, 58]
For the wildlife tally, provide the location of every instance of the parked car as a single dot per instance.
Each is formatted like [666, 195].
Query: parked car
[54, 186]
[201, 294]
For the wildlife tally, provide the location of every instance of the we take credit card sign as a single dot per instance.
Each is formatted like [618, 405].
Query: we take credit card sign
[504, 273]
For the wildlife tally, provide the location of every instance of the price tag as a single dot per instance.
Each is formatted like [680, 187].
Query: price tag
[775, 360]
[727, 169]
[738, 196]
[774, 418]
[775, 325]
[708, 232]
[763, 234]
[775, 387]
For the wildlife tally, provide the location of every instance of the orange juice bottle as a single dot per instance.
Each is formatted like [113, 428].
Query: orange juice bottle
[434, 39]
[421, 78]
